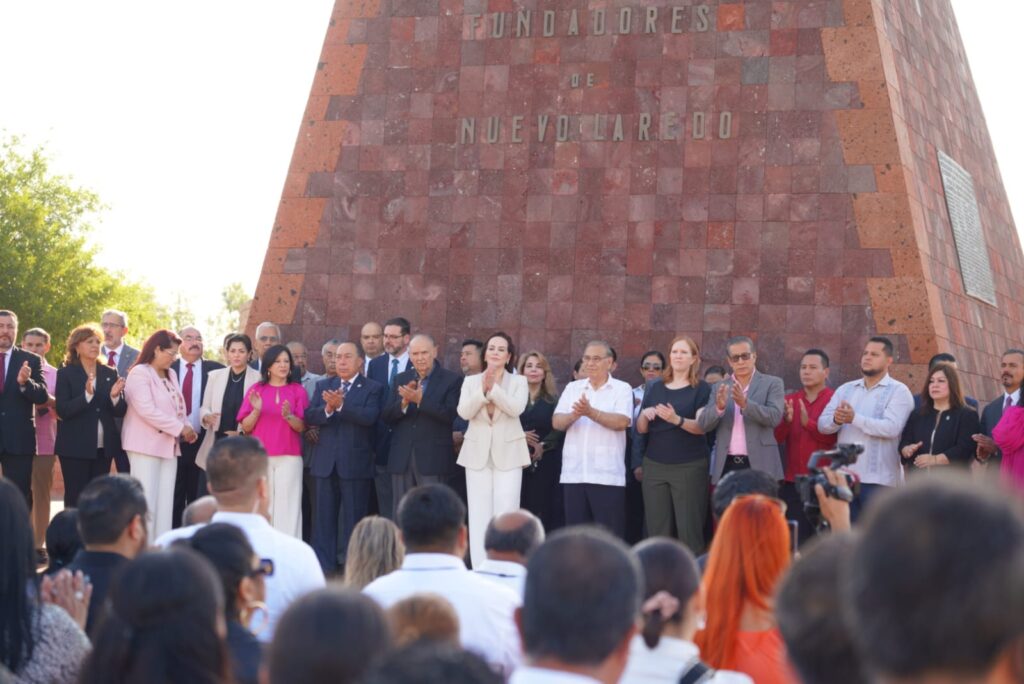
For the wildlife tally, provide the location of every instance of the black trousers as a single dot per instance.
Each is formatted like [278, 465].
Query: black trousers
[594, 503]
[186, 480]
[541, 493]
[78, 472]
[18, 469]
[340, 504]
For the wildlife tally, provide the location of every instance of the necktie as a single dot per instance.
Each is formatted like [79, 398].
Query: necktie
[3, 369]
[394, 372]
[110, 359]
[1006, 404]
[345, 384]
[186, 389]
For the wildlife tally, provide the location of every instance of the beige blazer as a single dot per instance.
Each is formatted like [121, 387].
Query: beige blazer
[213, 400]
[500, 436]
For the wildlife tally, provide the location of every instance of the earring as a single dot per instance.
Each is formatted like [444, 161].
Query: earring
[250, 611]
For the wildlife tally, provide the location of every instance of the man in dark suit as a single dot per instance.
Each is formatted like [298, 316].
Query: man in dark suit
[119, 355]
[384, 369]
[421, 408]
[346, 408]
[112, 522]
[192, 370]
[1011, 376]
[22, 386]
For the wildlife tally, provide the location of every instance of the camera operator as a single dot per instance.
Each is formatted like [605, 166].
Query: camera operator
[834, 510]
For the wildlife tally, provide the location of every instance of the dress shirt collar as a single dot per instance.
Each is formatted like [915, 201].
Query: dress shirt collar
[117, 351]
[607, 384]
[1014, 396]
[501, 568]
[246, 521]
[540, 675]
[886, 380]
[750, 380]
[417, 562]
[402, 359]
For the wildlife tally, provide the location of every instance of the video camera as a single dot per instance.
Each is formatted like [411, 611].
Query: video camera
[842, 456]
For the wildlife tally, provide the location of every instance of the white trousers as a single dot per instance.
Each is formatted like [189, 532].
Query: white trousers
[157, 478]
[285, 482]
[489, 492]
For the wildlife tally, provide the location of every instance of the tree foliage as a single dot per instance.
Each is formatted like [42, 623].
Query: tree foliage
[48, 273]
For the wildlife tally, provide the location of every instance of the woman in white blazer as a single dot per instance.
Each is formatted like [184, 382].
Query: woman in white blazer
[225, 386]
[494, 451]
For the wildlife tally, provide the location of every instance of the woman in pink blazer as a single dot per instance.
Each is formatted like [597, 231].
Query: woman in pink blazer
[154, 422]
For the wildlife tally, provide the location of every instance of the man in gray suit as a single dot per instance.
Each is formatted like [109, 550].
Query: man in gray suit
[753, 402]
[116, 354]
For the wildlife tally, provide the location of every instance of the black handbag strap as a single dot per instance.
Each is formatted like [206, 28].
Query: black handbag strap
[697, 674]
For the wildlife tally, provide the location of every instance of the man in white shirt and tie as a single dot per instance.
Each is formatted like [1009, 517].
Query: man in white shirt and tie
[432, 520]
[237, 475]
[117, 355]
[510, 540]
[580, 609]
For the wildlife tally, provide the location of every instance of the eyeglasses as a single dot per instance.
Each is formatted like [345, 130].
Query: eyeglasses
[651, 366]
[594, 359]
[265, 567]
[268, 338]
[393, 337]
[745, 356]
[108, 326]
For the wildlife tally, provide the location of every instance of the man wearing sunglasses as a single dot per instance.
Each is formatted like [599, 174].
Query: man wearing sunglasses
[747, 407]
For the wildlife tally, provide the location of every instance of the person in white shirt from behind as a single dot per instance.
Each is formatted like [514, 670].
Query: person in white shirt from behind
[431, 518]
[672, 610]
[510, 540]
[236, 473]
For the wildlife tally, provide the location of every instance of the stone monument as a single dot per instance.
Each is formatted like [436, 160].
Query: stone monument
[807, 172]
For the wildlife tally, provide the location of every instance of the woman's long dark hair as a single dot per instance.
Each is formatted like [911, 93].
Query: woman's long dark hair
[161, 339]
[269, 357]
[17, 579]
[511, 365]
[160, 624]
[667, 566]
[63, 541]
[229, 551]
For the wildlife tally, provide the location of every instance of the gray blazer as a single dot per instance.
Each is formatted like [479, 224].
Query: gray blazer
[765, 404]
[126, 360]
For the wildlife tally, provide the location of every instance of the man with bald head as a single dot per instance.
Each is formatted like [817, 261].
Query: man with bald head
[192, 370]
[510, 540]
[420, 410]
[372, 339]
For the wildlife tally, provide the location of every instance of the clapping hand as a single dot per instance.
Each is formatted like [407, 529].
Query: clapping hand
[490, 377]
[582, 407]
[211, 420]
[911, 449]
[804, 418]
[721, 396]
[286, 409]
[986, 446]
[71, 592]
[738, 396]
[333, 399]
[788, 414]
[255, 400]
[24, 373]
[650, 413]
[90, 384]
[844, 414]
[667, 413]
[411, 393]
[117, 388]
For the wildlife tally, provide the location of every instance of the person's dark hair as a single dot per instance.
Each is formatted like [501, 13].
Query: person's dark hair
[523, 540]
[597, 584]
[430, 516]
[886, 345]
[476, 343]
[936, 581]
[511, 365]
[403, 324]
[653, 352]
[809, 611]
[360, 352]
[739, 482]
[107, 506]
[17, 577]
[229, 552]
[234, 464]
[242, 338]
[576, 366]
[941, 357]
[956, 394]
[740, 339]
[270, 356]
[63, 540]
[329, 636]
[161, 339]
[7, 313]
[819, 353]
[1013, 350]
[715, 369]
[615, 354]
[37, 332]
[667, 565]
[160, 623]
[432, 661]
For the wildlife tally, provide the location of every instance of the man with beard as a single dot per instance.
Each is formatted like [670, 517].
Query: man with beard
[1011, 376]
[871, 411]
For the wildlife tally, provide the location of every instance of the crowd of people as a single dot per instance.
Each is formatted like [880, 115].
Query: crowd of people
[473, 524]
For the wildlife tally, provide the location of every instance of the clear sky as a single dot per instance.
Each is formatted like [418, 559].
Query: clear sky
[182, 117]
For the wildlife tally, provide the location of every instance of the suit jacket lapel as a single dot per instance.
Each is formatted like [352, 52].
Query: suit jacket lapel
[13, 363]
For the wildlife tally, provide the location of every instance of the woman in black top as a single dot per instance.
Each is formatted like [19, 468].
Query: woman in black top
[89, 398]
[675, 464]
[541, 492]
[242, 575]
[941, 432]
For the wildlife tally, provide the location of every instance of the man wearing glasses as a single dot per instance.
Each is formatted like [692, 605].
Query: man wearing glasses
[747, 407]
[384, 369]
[116, 354]
[595, 412]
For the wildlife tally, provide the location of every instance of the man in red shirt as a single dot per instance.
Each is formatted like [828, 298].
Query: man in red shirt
[798, 431]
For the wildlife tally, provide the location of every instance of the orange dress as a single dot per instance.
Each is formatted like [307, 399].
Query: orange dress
[762, 656]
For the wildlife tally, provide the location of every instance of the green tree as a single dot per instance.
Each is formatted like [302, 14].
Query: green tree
[50, 276]
[233, 298]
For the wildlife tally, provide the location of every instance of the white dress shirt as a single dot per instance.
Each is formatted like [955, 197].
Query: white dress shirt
[506, 573]
[485, 610]
[296, 568]
[879, 416]
[403, 360]
[539, 675]
[592, 453]
[668, 661]
[1013, 397]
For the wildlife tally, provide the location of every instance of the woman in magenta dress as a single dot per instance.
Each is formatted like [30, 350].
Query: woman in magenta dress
[1008, 435]
[272, 413]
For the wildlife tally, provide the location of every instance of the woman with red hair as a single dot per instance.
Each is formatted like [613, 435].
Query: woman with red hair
[749, 555]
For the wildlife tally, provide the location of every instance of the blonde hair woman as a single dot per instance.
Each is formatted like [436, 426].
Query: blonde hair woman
[542, 493]
[374, 550]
